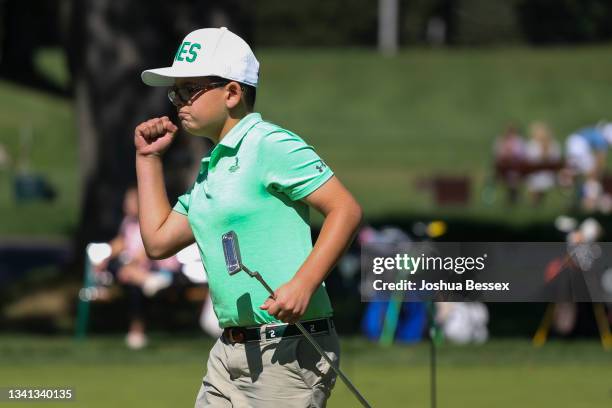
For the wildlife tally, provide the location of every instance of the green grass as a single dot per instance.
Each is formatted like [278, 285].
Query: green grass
[49, 123]
[502, 373]
[383, 123]
[380, 123]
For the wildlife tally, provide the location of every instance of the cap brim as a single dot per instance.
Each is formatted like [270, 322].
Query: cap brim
[166, 76]
[158, 76]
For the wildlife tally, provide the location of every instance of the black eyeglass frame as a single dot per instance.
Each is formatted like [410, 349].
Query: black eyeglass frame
[182, 95]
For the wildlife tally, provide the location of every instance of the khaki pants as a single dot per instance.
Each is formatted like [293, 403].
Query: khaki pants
[286, 372]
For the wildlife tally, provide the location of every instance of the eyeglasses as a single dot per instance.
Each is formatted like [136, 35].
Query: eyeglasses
[182, 95]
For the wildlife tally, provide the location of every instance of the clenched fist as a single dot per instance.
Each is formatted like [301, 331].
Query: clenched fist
[154, 136]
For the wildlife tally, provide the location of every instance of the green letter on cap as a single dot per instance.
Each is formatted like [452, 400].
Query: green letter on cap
[192, 52]
[179, 54]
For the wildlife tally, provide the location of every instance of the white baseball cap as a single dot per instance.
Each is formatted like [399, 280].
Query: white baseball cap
[208, 52]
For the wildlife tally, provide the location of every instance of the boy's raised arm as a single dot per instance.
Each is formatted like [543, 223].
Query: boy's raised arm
[164, 232]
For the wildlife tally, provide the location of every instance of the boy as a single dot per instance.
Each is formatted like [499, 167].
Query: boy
[259, 180]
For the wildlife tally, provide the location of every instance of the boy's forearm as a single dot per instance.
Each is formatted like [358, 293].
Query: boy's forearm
[336, 235]
[153, 204]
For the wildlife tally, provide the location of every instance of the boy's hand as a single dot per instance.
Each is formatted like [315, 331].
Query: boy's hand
[153, 137]
[290, 301]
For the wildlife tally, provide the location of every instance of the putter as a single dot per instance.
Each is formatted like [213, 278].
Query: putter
[234, 265]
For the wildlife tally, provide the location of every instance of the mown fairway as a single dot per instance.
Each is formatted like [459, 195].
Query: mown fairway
[506, 373]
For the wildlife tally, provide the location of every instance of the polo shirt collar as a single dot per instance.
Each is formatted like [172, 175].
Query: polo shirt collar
[235, 135]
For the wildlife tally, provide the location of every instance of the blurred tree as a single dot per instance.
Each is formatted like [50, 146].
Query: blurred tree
[566, 21]
[354, 23]
[110, 44]
[482, 22]
[25, 27]
[317, 23]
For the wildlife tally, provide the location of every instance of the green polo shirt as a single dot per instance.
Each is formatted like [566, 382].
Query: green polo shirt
[252, 183]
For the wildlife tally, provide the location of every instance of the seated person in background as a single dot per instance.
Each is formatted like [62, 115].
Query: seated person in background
[542, 149]
[509, 151]
[586, 151]
[135, 270]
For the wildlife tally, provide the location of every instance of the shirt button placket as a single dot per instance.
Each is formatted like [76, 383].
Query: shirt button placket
[212, 165]
[206, 168]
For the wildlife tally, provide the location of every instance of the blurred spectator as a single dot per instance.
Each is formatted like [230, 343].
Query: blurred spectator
[586, 157]
[435, 31]
[509, 153]
[463, 322]
[398, 319]
[194, 270]
[542, 149]
[140, 275]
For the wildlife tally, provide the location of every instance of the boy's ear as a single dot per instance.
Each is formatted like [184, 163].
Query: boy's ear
[234, 94]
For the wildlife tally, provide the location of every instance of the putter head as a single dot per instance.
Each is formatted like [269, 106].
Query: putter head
[232, 252]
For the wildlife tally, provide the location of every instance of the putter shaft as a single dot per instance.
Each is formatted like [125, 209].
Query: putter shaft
[314, 343]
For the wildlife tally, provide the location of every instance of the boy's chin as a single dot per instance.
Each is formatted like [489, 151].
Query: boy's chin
[195, 131]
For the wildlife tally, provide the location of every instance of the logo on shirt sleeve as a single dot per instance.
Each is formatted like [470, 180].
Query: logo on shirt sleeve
[321, 166]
